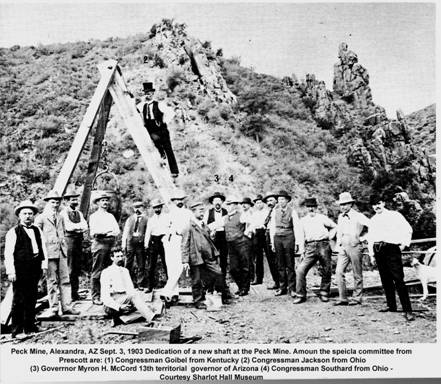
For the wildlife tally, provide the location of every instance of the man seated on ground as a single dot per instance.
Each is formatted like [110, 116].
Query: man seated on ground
[118, 293]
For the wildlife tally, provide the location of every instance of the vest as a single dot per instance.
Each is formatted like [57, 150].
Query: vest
[142, 226]
[155, 122]
[23, 253]
[74, 217]
[211, 214]
[234, 229]
[284, 226]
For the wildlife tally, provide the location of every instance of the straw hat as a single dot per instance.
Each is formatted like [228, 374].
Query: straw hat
[25, 204]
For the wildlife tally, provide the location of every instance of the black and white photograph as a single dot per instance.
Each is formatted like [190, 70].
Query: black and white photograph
[217, 174]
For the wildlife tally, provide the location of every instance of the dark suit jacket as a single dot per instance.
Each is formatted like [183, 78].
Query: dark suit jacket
[197, 246]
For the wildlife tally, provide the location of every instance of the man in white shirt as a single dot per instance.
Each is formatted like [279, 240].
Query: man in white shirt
[155, 120]
[25, 257]
[287, 241]
[118, 293]
[350, 226]
[317, 229]
[103, 230]
[133, 245]
[389, 234]
[74, 227]
[157, 226]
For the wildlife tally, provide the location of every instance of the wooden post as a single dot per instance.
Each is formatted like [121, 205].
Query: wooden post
[85, 127]
[131, 116]
[95, 154]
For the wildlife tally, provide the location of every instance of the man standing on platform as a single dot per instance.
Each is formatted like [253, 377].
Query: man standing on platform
[103, 230]
[389, 234]
[25, 257]
[287, 240]
[74, 227]
[52, 226]
[317, 229]
[157, 227]
[270, 200]
[133, 245]
[350, 226]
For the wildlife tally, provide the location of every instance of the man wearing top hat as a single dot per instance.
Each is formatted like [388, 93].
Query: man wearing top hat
[214, 219]
[270, 199]
[52, 226]
[246, 217]
[317, 229]
[350, 226]
[157, 227]
[155, 121]
[74, 227]
[25, 257]
[286, 240]
[200, 257]
[103, 230]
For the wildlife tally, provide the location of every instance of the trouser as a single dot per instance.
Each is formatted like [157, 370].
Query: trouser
[256, 263]
[220, 242]
[155, 248]
[135, 301]
[101, 260]
[239, 251]
[135, 254]
[173, 259]
[161, 138]
[349, 254]
[25, 289]
[285, 249]
[390, 267]
[74, 258]
[58, 280]
[271, 258]
[206, 275]
[315, 250]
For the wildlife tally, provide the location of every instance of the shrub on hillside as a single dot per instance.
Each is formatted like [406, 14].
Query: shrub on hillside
[175, 76]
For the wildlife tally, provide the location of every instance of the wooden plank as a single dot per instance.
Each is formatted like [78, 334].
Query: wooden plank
[5, 307]
[428, 240]
[107, 71]
[127, 108]
[160, 335]
[95, 153]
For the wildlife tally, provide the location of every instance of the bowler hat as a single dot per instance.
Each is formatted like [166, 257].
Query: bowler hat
[216, 194]
[268, 195]
[178, 195]
[283, 193]
[52, 195]
[148, 86]
[25, 204]
[247, 200]
[311, 202]
[138, 204]
[374, 199]
[71, 192]
[345, 198]
[100, 195]
[156, 203]
[258, 197]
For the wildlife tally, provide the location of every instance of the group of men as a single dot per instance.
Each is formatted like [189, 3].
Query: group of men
[232, 235]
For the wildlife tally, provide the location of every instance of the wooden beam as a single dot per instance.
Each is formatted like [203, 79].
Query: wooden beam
[95, 153]
[131, 116]
[107, 70]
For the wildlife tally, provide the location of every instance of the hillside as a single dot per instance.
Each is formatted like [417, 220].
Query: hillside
[254, 131]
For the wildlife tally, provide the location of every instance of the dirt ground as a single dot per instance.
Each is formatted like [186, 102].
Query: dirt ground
[261, 317]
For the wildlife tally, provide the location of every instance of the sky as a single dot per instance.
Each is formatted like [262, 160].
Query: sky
[394, 41]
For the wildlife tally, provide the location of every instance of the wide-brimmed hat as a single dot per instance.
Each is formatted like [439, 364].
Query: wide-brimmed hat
[233, 200]
[283, 193]
[179, 194]
[310, 202]
[268, 195]
[138, 204]
[157, 203]
[345, 198]
[247, 200]
[214, 195]
[257, 198]
[25, 204]
[195, 204]
[70, 192]
[52, 195]
[100, 195]
[148, 86]
[374, 199]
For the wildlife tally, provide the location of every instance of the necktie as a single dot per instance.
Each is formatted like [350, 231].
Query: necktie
[137, 224]
[149, 113]
[268, 218]
[76, 216]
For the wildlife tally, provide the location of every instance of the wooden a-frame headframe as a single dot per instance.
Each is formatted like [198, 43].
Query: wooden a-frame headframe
[112, 88]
